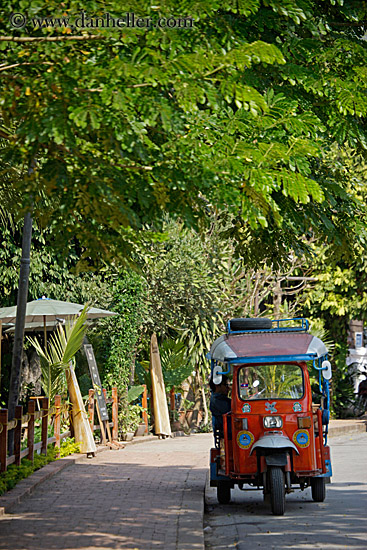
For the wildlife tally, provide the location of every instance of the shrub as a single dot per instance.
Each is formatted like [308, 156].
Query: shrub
[14, 474]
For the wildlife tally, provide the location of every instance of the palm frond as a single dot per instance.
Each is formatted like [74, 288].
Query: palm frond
[61, 349]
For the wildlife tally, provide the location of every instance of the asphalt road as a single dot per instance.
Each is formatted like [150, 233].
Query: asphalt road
[339, 522]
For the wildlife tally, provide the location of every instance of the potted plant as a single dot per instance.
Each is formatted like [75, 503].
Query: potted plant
[129, 420]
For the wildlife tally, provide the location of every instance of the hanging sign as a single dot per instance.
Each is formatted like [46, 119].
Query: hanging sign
[96, 381]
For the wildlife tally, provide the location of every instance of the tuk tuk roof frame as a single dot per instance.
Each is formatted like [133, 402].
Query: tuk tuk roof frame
[315, 357]
[305, 325]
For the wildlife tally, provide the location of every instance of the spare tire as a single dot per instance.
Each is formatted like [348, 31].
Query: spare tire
[250, 324]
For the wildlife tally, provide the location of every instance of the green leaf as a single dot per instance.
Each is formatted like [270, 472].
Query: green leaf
[134, 392]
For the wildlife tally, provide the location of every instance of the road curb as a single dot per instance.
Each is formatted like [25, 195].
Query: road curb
[190, 534]
[342, 427]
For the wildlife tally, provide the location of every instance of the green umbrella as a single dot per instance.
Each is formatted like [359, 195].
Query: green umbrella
[37, 327]
[45, 310]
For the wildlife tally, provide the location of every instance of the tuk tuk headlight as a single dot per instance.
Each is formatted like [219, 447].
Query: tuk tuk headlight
[273, 422]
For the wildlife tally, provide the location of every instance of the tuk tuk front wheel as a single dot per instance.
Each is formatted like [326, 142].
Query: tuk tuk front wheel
[318, 490]
[277, 491]
[224, 492]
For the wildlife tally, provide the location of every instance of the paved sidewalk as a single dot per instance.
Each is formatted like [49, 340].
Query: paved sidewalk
[143, 497]
[350, 425]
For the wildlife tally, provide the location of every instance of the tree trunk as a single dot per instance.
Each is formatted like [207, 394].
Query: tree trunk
[14, 386]
[277, 299]
[202, 389]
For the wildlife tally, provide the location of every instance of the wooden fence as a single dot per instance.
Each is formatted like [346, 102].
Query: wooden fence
[27, 422]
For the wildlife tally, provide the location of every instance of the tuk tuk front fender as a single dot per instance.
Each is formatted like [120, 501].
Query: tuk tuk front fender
[274, 442]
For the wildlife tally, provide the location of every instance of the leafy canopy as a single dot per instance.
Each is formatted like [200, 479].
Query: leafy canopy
[127, 124]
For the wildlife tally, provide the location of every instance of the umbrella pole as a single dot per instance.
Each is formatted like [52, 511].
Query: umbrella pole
[45, 331]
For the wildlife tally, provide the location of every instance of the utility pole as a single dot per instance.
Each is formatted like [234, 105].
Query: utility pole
[16, 366]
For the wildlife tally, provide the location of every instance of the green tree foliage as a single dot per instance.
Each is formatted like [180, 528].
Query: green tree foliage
[340, 292]
[238, 113]
[56, 273]
[338, 296]
[180, 282]
[325, 53]
[195, 284]
[176, 364]
[128, 124]
[116, 340]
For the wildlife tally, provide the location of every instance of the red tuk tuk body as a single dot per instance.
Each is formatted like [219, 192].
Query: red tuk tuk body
[273, 438]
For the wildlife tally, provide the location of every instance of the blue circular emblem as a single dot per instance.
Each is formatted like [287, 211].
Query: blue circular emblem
[245, 439]
[301, 438]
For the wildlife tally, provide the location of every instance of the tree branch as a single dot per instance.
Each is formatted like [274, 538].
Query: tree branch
[50, 38]
[142, 85]
[2, 68]
[5, 135]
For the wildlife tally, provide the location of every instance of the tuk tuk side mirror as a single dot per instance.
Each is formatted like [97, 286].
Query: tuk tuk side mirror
[217, 374]
[326, 370]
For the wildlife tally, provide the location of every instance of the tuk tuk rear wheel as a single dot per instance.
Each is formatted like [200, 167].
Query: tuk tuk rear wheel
[277, 491]
[318, 490]
[224, 492]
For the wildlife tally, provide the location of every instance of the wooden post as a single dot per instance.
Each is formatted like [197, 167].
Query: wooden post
[172, 404]
[101, 425]
[71, 421]
[31, 411]
[172, 398]
[57, 423]
[3, 438]
[36, 400]
[144, 404]
[18, 433]
[44, 425]
[91, 409]
[106, 422]
[114, 414]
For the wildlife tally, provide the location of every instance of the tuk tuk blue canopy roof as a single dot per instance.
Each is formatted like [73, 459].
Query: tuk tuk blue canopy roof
[260, 347]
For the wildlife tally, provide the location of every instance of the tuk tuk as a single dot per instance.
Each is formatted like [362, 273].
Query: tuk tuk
[274, 438]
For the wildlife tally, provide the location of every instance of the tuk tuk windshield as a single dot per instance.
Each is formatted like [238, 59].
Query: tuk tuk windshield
[270, 381]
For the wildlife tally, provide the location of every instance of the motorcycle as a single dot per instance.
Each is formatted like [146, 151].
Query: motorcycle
[274, 439]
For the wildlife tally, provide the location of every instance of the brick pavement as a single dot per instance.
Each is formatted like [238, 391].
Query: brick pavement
[143, 497]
